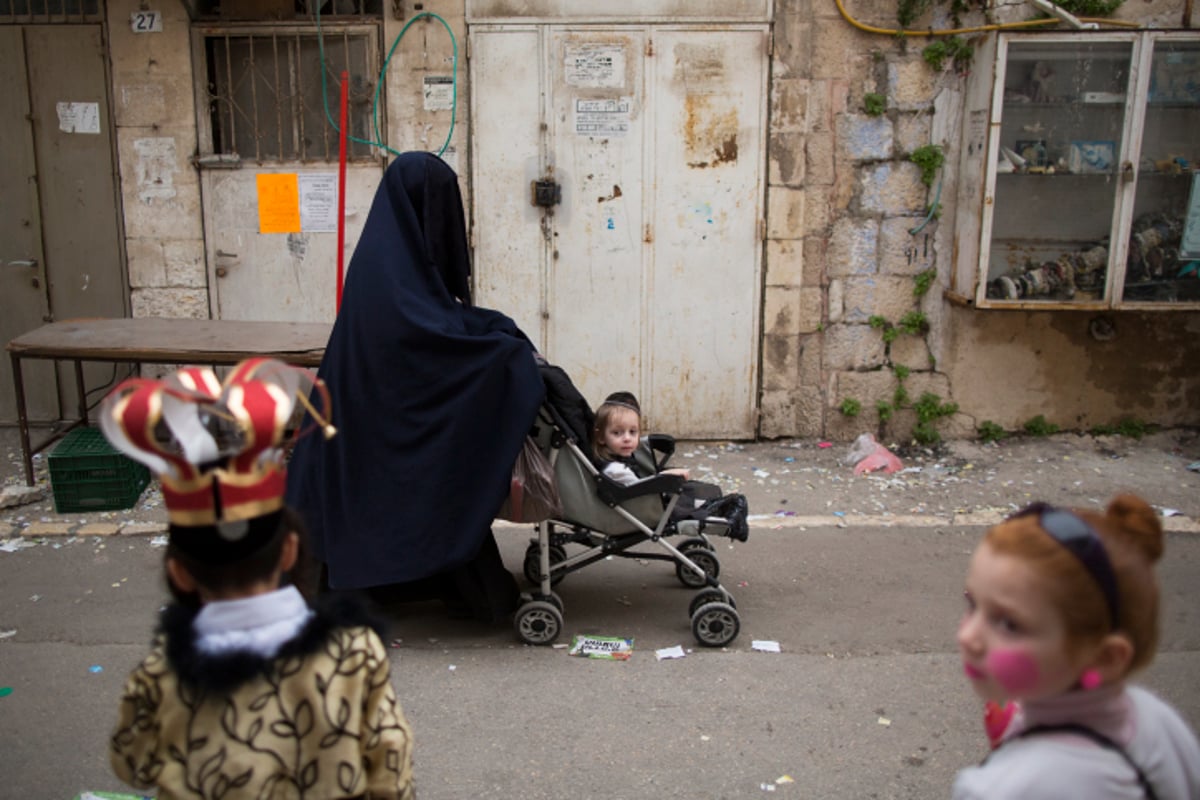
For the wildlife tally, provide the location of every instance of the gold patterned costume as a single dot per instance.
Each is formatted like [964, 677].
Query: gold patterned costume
[319, 720]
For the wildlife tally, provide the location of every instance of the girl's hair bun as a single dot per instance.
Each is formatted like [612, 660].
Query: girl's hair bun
[1135, 521]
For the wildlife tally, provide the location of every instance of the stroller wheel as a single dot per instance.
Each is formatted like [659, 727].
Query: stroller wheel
[715, 624]
[704, 559]
[533, 566]
[706, 596]
[696, 542]
[539, 622]
[553, 599]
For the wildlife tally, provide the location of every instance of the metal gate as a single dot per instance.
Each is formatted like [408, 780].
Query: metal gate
[617, 188]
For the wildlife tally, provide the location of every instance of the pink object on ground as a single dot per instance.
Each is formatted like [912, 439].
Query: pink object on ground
[880, 460]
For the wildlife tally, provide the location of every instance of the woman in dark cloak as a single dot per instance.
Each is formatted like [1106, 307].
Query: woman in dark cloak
[432, 398]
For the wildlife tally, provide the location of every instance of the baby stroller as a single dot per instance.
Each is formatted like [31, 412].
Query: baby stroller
[602, 518]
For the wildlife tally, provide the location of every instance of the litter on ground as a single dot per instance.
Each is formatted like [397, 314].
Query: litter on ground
[613, 648]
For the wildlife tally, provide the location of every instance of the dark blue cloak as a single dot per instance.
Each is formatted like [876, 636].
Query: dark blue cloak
[432, 398]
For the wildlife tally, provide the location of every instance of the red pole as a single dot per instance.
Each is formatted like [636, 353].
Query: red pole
[341, 198]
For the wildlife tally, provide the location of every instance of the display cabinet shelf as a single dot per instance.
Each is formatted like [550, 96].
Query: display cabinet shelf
[1079, 183]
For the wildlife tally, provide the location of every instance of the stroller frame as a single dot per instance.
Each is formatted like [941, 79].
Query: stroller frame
[539, 619]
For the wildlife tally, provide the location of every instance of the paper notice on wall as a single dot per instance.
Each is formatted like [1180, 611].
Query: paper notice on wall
[78, 117]
[278, 203]
[602, 117]
[318, 202]
[439, 92]
[595, 65]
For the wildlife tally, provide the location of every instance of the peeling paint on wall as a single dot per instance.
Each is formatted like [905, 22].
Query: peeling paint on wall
[156, 168]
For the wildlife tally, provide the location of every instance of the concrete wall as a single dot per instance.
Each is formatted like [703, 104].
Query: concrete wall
[842, 198]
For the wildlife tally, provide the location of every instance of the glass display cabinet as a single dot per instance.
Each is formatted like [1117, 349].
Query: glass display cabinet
[1079, 184]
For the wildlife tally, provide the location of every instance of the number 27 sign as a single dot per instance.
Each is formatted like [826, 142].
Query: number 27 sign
[145, 22]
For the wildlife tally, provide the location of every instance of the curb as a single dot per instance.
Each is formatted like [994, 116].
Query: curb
[976, 519]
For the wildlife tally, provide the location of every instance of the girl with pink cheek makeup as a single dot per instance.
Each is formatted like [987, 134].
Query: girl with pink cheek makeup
[1061, 606]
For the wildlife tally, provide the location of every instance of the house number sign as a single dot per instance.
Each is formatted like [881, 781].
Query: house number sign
[145, 22]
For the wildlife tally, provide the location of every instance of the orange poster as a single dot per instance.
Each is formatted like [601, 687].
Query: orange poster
[278, 203]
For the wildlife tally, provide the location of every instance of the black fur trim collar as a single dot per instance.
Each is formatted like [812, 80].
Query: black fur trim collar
[225, 672]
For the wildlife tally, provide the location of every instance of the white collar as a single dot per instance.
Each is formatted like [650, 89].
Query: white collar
[260, 624]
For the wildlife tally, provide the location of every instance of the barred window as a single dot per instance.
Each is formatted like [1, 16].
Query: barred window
[286, 9]
[43, 12]
[273, 95]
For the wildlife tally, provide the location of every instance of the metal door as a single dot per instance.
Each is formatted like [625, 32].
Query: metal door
[638, 265]
[60, 240]
[279, 277]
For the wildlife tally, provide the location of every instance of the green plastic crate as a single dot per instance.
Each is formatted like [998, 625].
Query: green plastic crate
[89, 474]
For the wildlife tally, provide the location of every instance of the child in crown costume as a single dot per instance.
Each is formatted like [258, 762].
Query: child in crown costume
[248, 691]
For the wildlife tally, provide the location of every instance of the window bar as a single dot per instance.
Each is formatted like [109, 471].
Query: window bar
[256, 127]
[297, 96]
[230, 143]
[363, 114]
[331, 148]
[279, 129]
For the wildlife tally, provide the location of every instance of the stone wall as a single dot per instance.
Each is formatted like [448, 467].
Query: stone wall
[844, 200]
[154, 111]
[850, 232]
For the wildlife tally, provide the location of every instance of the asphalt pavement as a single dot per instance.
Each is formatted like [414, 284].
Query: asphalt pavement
[858, 580]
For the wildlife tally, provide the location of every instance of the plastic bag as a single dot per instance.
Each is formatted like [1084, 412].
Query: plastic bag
[868, 455]
[533, 493]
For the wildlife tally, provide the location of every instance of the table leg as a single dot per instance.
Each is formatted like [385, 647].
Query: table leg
[22, 418]
[83, 409]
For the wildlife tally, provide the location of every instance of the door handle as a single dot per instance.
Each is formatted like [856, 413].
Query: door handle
[32, 263]
[223, 254]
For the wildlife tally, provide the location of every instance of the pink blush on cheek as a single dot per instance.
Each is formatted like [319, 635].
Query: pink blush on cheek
[1014, 670]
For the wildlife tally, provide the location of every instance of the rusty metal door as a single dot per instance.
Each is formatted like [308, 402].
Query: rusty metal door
[60, 237]
[617, 201]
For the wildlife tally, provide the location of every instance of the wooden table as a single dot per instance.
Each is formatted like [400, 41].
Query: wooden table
[156, 341]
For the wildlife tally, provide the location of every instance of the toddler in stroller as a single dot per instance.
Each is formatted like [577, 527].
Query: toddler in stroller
[601, 517]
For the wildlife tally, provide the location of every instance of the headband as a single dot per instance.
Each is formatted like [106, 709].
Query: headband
[1081, 541]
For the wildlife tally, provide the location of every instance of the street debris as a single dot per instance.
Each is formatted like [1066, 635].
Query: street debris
[13, 496]
[765, 646]
[670, 652]
[868, 455]
[612, 648]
